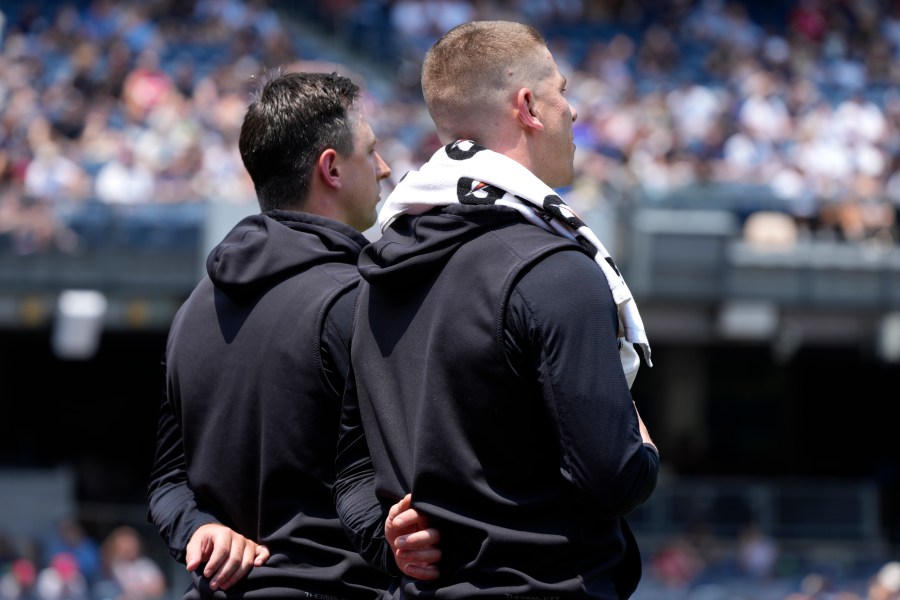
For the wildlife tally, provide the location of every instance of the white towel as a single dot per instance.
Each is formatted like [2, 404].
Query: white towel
[467, 173]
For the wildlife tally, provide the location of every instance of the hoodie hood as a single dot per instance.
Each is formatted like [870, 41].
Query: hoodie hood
[416, 246]
[467, 174]
[266, 248]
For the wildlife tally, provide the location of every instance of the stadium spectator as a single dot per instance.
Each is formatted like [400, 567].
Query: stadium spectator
[757, 552]
[19, 581]
[69, 540]
[127, 573]
[886, 583]
[125, 179]
[61, 579]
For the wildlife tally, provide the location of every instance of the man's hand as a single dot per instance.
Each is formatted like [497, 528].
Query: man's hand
[412, 542]
[228, 555]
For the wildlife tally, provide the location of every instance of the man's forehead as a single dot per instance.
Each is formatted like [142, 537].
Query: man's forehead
[361, 125]
[545, 66]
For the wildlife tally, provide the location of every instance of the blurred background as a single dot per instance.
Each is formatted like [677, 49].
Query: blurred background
[739, 159]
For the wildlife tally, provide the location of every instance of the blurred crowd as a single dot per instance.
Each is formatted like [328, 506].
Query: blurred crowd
[793, 103]
[794, 108]
[124, 104]
[67, 563]
[754, 565]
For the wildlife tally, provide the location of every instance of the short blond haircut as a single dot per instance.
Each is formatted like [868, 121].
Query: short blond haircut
[471, 69]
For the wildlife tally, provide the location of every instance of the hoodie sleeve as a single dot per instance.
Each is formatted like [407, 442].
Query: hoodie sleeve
[357, 506]
[173, 507]
[562, 327]
[354, 489]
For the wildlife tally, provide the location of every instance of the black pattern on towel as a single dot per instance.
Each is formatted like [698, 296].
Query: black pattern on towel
[467, 173]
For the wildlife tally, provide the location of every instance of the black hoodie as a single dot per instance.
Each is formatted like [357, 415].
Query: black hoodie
[254, 369]
[486, 381]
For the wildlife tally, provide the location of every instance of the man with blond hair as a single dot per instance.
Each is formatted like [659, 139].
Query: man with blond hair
[495, 342]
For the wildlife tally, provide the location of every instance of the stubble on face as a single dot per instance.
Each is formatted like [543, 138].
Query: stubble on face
[369, 169]
[557, 116]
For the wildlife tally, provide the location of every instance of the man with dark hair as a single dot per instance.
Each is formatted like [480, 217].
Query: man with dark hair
[494, 344]
[255, 364]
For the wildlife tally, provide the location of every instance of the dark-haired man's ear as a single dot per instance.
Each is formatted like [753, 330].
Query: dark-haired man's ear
[327, 168]
[526, 112]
